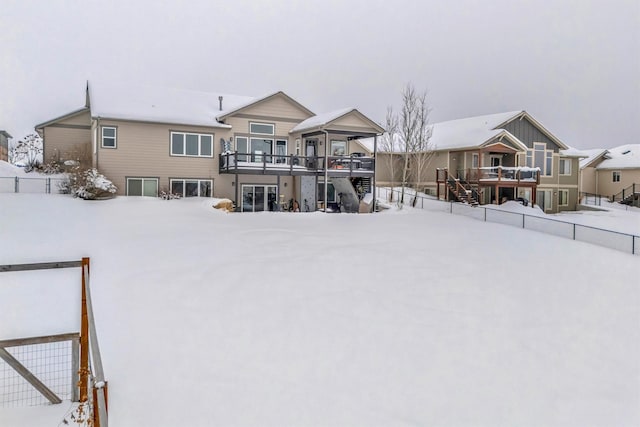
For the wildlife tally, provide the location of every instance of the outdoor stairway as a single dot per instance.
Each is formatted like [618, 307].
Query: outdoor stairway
[461, 193]
[628, 196]
[348, 196]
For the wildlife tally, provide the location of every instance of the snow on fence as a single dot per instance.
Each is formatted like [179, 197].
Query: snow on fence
[15, 184]
[611, 239]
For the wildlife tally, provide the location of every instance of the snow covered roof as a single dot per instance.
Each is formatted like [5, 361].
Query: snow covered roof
[590, 156]
[238, 107]
[321, 119]
[162, 104]
[5, 133]
[470, 132]
[622, 157]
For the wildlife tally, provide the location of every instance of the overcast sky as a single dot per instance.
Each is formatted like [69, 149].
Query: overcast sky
[573, 64]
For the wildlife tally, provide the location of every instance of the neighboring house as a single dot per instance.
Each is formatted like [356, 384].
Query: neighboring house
[4, 145]
[259, 152]
[493, 158]
[614, 172]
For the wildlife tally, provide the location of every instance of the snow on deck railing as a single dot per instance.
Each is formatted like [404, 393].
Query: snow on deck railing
[624, 242]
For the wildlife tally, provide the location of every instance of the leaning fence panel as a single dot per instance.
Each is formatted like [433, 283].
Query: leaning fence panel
[35, 373]
[609, 239]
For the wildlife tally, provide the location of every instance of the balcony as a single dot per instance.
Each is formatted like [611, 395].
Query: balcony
[274, 164]
[501, 175]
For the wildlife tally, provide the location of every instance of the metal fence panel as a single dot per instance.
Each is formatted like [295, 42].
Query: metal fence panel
[7, 184]
[504, 217]
[467, 210]
[544, 225]
[609, 239]
[32, 185]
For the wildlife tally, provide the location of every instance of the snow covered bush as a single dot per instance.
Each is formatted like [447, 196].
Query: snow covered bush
[87, 184]
[167, 195]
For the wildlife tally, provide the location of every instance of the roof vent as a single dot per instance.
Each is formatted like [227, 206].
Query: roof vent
[626, 152]
[220, 101]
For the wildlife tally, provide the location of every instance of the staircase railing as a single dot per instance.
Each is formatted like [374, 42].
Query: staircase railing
[626, 193]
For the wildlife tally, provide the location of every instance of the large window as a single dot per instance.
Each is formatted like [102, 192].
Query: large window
[565, 167]
[540, 158]
[109, 138]
[563, 197]
[616, 176]
[142, 187]
[259, 150]
[191, 144]
[192, 187]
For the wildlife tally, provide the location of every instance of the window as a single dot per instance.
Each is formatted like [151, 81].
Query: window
[191, 144]
[616, 176]
[338, 148]
[540, 158]
[109, 137]
[142, 187]
[192, 187]
[260, 150]
[475, 160]
[563, 197]
[331, 193]
[565, 167]
[262, 128]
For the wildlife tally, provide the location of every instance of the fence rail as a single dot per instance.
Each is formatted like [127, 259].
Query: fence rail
[598, 236]
[16, 184]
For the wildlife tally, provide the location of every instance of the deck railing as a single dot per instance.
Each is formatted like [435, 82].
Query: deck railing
[233, 161]
[500, 173]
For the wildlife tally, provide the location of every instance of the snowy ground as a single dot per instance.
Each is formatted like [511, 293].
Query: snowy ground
[401, 318]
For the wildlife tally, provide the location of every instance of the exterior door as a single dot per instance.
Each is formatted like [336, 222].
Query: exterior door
[259, 198]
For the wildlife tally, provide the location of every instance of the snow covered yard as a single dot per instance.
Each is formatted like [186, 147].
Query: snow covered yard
[401, 318]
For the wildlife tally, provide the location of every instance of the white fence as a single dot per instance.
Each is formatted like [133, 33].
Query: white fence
[15, 184]
[611, 239]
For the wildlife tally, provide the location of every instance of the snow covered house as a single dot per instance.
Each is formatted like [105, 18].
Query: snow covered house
[613, 173]
[259, 152]
[492, 158]
[4, 145]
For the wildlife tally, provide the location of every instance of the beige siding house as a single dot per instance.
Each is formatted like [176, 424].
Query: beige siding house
[491, 159]
[612, 173]
[265, 153]
[4, 145]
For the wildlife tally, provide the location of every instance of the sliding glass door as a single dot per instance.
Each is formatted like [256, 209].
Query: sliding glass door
[259, 198]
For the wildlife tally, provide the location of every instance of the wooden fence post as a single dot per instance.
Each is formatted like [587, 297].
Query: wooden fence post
[84, 341]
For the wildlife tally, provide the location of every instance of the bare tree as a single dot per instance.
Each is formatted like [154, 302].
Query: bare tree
[389, 146]
[415, 134]
[420, 147]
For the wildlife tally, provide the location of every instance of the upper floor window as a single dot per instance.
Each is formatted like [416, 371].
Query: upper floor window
[262, 128]
[475, 160]
[338, 148]
[540, 158]
[616, 176]
[191, 144]
[565, 167]
[109, 137]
